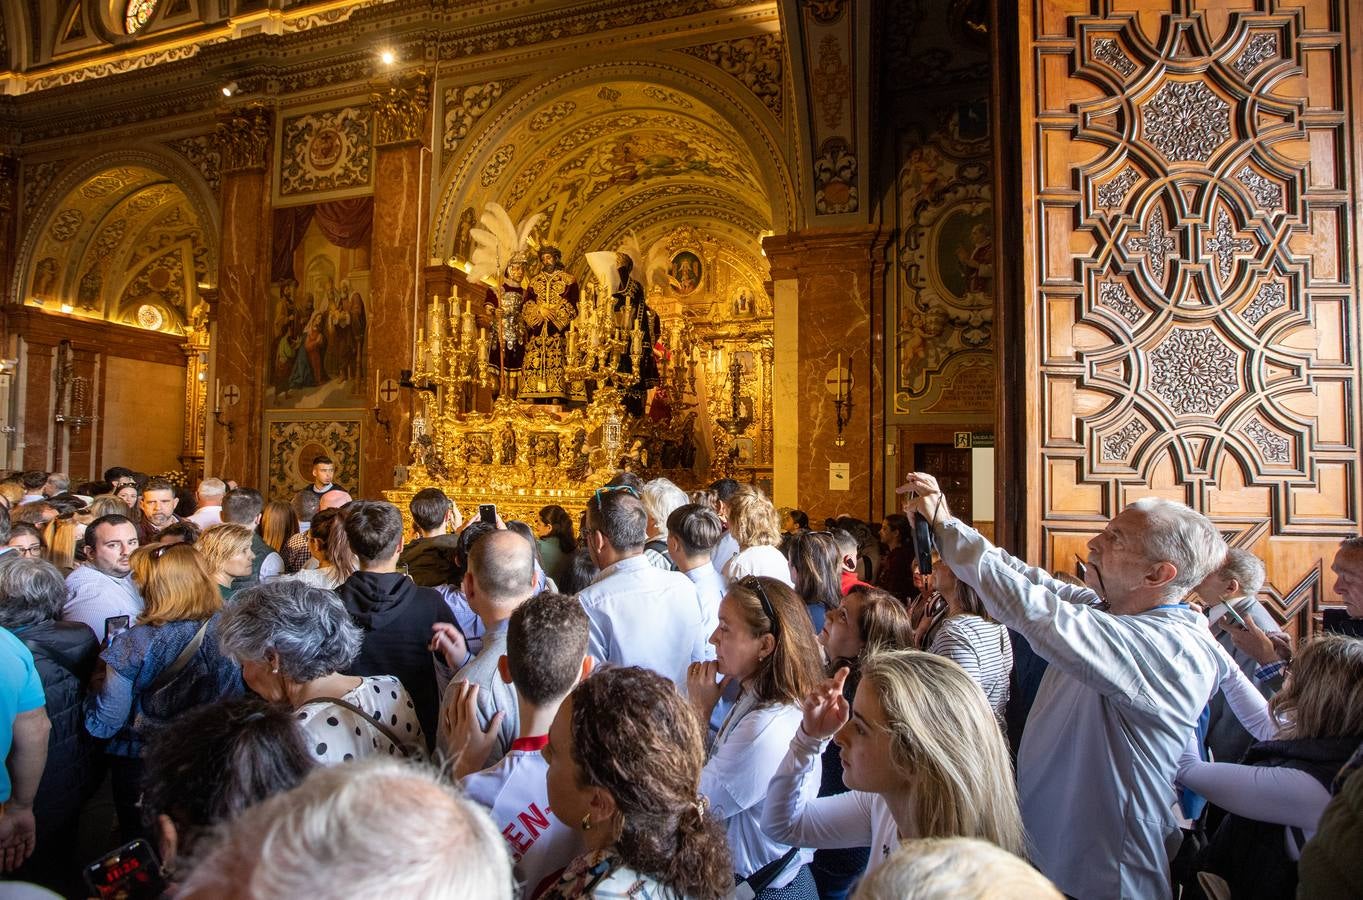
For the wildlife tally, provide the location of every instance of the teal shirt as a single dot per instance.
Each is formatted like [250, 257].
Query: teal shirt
[21, 690]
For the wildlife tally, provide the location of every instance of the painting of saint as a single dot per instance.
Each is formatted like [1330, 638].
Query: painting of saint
[965, 257]
[685, 272]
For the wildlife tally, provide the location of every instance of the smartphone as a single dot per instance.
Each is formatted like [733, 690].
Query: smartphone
[114, 626]
[132, 871]
[487, 512]
[1234, 615]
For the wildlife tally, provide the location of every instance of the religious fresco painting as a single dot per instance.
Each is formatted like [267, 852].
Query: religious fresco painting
[943, 359]
[685, 273]
[319, 298]
[294, 443]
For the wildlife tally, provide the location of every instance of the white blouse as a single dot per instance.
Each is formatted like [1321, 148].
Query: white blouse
[336, 734]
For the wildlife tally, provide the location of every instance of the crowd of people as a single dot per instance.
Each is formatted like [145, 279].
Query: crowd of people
[669, 695]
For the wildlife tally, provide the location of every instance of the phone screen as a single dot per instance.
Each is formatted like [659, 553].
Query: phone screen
[487, 512]
[132, 871]
[114, 626]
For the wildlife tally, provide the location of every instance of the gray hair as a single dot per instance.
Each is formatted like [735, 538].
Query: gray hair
[954, 868]
[31, 591]
[306, 627]
[333, 837]
[660, 497]
[1182, 536]
[60, 482]
[212, 487]
[1245, 568]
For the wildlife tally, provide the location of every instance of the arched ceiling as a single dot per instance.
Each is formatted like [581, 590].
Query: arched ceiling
[123, 245]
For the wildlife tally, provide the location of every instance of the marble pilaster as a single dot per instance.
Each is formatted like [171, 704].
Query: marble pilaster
[240, 315]
[834, 277]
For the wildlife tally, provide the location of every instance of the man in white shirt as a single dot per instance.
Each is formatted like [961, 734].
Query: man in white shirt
[1348, 570]
[545, 657]
[500, 577]
[640, 615]
[209, 498]
[692, 532]
[103, 588]
[1123, 691]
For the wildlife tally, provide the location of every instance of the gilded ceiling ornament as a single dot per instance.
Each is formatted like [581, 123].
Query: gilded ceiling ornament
[326, 150]
[755, 61]
[400, 112]
[65, 224]
[244, 138]
[1185, 121]
[203, 154]
[835, 177]
[1193, 371]
[832, 81]
[466, 104]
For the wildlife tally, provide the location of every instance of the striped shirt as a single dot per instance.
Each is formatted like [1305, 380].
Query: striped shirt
[983, 650]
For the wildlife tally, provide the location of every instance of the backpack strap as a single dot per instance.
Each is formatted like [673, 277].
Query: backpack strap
[378, 725]
[175, 668]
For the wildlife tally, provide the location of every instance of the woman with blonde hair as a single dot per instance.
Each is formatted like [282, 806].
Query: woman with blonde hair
[278, 523]
[955, 868]
[764, 642]
[108, 505]
[1275, 796]
[167, 662]
[227, 554]
[60, 537]
[922, 755]
[756, 528]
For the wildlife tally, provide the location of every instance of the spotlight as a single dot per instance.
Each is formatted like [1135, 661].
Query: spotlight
[68, 308]
[387, 57]
[229, 89]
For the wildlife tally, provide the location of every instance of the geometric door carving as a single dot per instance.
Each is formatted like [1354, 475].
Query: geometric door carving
[1190, 288]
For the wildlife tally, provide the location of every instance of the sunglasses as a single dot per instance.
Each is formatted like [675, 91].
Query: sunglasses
[611, 489]
[754, 584]
[160, 550]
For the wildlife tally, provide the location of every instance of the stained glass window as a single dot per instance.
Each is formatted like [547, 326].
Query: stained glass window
[139, 11]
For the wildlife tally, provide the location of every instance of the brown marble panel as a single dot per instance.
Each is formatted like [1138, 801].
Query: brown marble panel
[397, 266]
[838, 272]
[38, 426]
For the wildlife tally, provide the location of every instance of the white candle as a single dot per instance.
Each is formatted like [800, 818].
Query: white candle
[839, 375]
[217, 395]
[376, 388]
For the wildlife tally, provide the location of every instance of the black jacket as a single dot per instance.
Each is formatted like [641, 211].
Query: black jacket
[64, 654]
[396, 617]
[430, 561]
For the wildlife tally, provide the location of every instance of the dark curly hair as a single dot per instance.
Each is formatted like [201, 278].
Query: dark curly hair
[635, 737]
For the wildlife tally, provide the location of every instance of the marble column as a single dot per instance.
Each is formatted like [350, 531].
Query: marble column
[398, 263]
[9, 213]
[240, 314]
[834, 279]
[36, 426]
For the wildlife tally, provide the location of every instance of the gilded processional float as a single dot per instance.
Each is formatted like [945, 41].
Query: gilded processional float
[537, 390]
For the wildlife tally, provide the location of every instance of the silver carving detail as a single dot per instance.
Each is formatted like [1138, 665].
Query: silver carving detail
[1223, 244]
[1112, 194]
[1270, 296]
[1117, 446]
[1261, 48]
[1185, 121]
[1266, 193]
[1114, 296]
[1193, 371]
[1272, 445]
[1157, 245]
[1107, 50]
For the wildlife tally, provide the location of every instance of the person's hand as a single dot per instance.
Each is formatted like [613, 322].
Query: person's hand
[703, 687]
[826, 709]
[448, 641]
[1251, 640]
[470, 744]
[923, 496]
[18, 837]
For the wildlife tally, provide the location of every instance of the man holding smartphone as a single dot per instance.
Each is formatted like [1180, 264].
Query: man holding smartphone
[104, 588]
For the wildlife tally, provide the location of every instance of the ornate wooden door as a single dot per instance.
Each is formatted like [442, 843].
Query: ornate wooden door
[1190, 181]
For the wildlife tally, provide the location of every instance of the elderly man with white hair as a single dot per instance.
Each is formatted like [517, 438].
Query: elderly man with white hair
[208, 498]
[375, 828]
[1131, 668]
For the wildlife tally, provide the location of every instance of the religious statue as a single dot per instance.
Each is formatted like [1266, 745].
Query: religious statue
[550, 306]
[639, 326]
[500, 250]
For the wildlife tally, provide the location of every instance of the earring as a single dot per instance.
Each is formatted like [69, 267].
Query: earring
[587, 821]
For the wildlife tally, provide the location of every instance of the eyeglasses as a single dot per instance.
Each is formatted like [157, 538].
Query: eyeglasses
[34, 550]
[754, 584]
[160, 550]
[611, 489]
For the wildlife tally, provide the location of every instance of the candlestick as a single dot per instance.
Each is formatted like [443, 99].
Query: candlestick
[376, 388]
[217, 395]
[838, 375]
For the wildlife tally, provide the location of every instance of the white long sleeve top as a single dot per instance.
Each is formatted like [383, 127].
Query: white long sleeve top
[853, 819]
[1113, 713]
[741, 763]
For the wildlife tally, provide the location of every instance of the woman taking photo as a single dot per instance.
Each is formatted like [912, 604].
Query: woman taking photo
[922, 755]
[176, 634]
[292, 640]
[227, 554]
[625, 757]
[556, 543]
[956, 625]
[756, 527]
[1277, 793]
[764, 642]
[816, 573]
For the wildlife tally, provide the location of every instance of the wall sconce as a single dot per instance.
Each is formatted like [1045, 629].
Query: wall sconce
[217, 411]
[842, 401]
[385, 422]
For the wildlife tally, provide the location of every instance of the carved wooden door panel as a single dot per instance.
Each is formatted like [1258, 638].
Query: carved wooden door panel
[1191, 296]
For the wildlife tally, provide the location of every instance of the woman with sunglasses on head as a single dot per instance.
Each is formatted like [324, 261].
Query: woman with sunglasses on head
[167, 662]
[956, 625]
[766, 643]
[922, 755]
